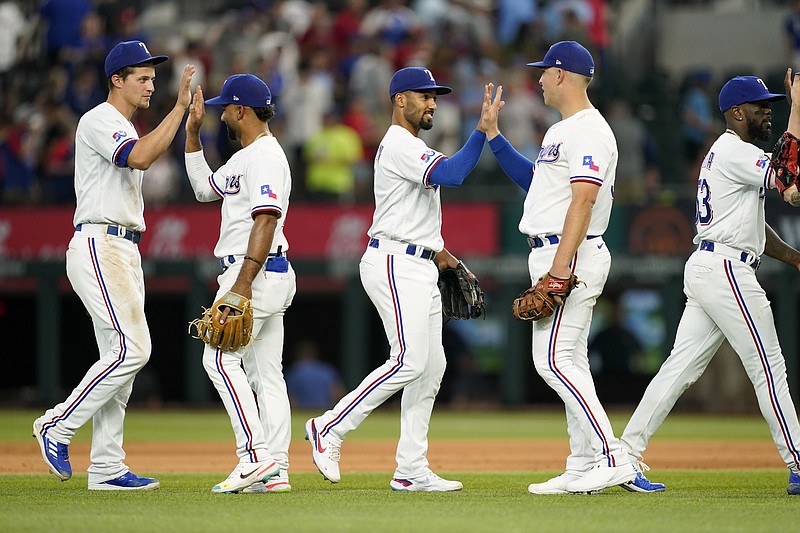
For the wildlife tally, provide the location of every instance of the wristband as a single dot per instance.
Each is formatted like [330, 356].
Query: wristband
[260, 263]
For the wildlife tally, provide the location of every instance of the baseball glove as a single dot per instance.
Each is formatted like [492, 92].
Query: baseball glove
[784, 161]
[237, 329]
[539, 301]
[462, 297]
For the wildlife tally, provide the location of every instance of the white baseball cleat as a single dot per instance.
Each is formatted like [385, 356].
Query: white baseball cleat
[556, 485]
[428, 483]
[324, 454]
[602, 477]
[245, 474]
[279, 483]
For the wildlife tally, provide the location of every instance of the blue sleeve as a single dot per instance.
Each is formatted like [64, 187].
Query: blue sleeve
[451, 172]
[121, 159]
[516, 166]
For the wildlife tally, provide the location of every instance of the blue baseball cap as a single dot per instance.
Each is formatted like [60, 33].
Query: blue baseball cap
[243, 89]
[569, 55]
[417, 79]
[129, 54]
[743, 89]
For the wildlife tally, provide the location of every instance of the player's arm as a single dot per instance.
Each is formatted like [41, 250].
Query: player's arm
[576, 224]
[258, 247]
[153, 145]
[778, 249]
[451, 172]
[444, 259]
[196, 165]
[792, 84]
[516, 166]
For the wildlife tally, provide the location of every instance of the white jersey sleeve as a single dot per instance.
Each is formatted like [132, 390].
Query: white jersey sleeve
[106, 192]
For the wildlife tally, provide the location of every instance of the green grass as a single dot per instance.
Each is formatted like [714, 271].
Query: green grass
[498, 502]
[384, 423]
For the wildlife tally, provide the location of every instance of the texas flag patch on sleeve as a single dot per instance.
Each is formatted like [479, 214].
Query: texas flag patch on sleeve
[265, 190]
[589, 162]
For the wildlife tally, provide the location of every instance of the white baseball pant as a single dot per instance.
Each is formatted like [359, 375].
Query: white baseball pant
[405, 292]
[261, 422]
[560, 356]
[106, 273]
[724, 300]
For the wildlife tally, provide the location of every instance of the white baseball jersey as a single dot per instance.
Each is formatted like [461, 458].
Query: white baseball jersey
[255, 180]
[106, 193]
[581, 148]
[728, 211]
[407, 208]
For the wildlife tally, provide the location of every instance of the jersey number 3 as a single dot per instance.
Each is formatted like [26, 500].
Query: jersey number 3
[704, 211]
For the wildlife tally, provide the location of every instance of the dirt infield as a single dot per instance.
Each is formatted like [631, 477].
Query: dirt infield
[377, 456]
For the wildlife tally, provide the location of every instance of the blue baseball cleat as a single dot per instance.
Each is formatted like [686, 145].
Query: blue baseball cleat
[127, 481]
[55, 454]
[794, 484]
[642, 484]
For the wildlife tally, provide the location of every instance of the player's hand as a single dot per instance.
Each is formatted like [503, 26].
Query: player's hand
[490, 111]
[793, 94]
[197, 112]
[791, 196]
[185, 87]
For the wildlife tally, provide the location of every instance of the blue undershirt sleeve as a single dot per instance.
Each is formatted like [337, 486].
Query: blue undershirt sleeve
[451, 172]
[516, 166]
[122, 155]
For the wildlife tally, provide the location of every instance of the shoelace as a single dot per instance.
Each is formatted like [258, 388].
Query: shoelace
[334, 452]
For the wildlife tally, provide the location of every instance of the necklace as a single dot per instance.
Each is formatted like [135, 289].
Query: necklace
[262, 134]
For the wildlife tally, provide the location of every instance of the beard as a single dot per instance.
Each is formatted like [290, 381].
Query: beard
[759, 132]
[231, 134]
[423, 125]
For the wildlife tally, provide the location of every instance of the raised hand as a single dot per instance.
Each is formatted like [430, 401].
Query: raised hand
[197, 112]
[490, 111]
[185, 87]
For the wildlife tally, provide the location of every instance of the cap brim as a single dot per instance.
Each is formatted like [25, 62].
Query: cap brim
[217, 100]
[155, 60]
[439, 89]
[539, 64]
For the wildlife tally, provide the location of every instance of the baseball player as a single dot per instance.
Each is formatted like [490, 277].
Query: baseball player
[724, 297]
[567, 208]
[254, 187]
[104, 265]
[399, 271]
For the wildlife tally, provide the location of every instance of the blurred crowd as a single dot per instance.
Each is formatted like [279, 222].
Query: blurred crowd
[328, 64]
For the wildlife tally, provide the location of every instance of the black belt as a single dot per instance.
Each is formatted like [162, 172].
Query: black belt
[275, 262]
[411, 249]
[120, 231]
[744, 257]
[537, 242]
